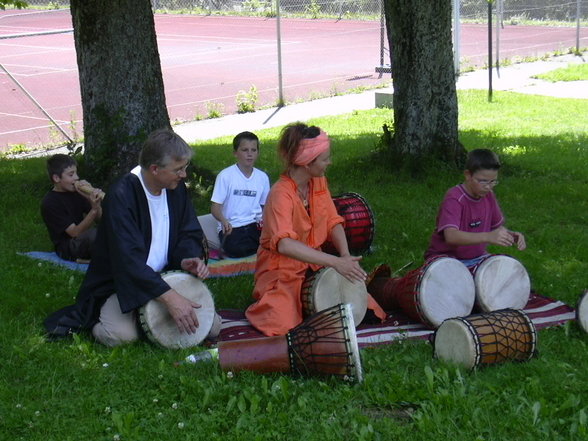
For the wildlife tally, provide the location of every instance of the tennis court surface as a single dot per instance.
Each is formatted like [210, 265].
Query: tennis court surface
[206, 61]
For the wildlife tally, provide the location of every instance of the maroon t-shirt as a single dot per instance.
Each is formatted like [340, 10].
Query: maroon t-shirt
[461, 211]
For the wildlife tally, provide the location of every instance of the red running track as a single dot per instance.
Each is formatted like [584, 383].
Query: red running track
[207, 60]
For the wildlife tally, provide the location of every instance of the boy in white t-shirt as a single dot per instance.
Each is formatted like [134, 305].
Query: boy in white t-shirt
[238, 197]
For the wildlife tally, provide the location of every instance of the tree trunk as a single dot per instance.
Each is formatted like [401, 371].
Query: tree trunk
[425, 100]
[121, 82]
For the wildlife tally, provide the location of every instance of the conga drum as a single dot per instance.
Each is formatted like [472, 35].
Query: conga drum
[359, 223]
[486, 338]
[326, 287]
[582, 311]
[323, 344]
[440, 289]
[501, 282]
[160, 327]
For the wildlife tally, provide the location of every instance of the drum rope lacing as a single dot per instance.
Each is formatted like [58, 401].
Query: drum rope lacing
[304, 360]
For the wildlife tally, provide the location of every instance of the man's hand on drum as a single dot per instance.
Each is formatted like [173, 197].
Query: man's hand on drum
[195, 266]
[182, 310]
[348, 267]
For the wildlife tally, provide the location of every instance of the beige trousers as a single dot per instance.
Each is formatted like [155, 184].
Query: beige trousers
[115, 328]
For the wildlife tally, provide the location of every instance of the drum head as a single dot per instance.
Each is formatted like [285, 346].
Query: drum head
[330, 288]
[501, 282]
[159, 325]
[446, 290]
[456, 342]
[582, 311]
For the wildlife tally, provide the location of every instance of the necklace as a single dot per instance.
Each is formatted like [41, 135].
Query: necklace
[303, 196]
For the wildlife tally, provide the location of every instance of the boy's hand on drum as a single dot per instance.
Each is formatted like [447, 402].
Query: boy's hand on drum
[348, 267]
[501, 236]
[195, 266]
[182, 310]
[519, 240]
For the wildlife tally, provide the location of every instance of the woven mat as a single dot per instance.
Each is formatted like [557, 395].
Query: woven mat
[218, 268]
[543, 311]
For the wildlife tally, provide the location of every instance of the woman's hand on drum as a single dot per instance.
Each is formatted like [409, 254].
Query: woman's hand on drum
[182, 310]
[195, 266]
[348, 266]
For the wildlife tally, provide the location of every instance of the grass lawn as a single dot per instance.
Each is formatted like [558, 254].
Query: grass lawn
[79, 390]
[573, 72]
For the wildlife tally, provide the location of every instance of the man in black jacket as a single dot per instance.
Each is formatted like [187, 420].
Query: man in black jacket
[148, 226]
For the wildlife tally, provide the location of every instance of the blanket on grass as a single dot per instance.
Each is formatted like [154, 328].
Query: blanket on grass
[543, 311]
[218, 268]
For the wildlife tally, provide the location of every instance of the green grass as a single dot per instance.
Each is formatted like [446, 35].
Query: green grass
[573, 72]
[77, 389]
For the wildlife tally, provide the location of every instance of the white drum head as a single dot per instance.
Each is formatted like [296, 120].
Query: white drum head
[330, 288]
[582, 312]
[446, 291]
[501, 282]
[456, 342]
[159, 325]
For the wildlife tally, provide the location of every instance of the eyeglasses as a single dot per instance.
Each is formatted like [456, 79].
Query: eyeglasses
[486, 183]
[178, 171]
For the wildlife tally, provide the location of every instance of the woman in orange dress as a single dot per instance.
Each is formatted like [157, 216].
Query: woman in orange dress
[299, 216]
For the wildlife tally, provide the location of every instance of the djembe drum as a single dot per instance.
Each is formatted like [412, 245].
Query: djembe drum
[160, 327]
[326, 287]
[486, 338]
[501, 282]
[359, 223]
[323, 344]
[582, 311]
[440, 289]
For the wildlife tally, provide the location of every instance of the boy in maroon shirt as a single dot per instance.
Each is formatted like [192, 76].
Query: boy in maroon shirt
[469, 217]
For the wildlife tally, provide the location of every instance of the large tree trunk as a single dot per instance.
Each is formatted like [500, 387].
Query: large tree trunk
[425, 100]
[121, 82]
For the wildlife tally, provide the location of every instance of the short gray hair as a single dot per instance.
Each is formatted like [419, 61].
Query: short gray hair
[163, 146]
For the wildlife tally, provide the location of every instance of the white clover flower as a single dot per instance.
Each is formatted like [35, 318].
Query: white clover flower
[174, 406]
[47, 295]
[160, 376]
[39, 264]
[19, 406]
[180, 425]
[37, 413]
[105, 365]
[155, 400]
[160, 415]
[107, 409]
[229, 374]
[116, 437]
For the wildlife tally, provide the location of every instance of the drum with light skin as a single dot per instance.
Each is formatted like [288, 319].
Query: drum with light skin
[326, 288]
[160, 327]
[486, 338]
[323, 344]
[501, 282]
[582, 311]
[440, 289]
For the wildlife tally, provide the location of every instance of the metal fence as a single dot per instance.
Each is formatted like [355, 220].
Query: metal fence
[511, 11]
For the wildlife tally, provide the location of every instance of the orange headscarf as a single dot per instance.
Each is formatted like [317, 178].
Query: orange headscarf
[310, 148]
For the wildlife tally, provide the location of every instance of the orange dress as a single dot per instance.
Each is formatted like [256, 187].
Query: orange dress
[279, 278]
